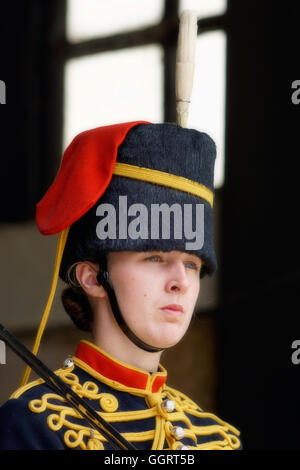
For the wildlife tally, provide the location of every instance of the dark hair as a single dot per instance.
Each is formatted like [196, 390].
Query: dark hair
[77, 306]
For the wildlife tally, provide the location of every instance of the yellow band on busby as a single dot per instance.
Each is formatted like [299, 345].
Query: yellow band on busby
[164, 179]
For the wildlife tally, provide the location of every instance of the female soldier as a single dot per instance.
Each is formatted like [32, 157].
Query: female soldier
[133, 281]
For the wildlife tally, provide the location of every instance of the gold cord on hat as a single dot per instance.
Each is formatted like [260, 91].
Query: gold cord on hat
[163, 178]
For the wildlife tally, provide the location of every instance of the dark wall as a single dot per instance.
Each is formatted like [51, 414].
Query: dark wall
[259, 314]
[30, 121]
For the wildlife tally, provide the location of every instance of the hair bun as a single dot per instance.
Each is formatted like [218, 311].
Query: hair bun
[77, 307]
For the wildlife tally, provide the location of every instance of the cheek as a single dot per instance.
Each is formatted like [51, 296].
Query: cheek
[129, 286]
[194, 292]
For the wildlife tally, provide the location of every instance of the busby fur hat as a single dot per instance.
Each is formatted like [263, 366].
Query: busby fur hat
[172, 153]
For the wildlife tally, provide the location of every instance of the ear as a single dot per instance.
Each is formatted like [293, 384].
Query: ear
[86, 274]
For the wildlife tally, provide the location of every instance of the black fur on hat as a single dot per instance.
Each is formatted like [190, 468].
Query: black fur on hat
[166, 147]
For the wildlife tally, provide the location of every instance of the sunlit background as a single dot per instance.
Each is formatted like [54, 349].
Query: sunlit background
[127, 85]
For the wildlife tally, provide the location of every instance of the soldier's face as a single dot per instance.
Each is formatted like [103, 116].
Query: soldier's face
[156, 292]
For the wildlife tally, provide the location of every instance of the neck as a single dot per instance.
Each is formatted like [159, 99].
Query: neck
[108, 336]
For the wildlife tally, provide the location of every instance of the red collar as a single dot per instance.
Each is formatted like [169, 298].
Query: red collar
[118, 371]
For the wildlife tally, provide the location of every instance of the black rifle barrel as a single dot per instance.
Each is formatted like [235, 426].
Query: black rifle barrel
[62, 389]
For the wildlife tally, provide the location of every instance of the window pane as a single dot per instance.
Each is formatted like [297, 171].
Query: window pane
[207, 110]
[204, 8]
[90, 18]
[113, 87]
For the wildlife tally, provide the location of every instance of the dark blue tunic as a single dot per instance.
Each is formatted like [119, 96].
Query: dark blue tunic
[132, 400]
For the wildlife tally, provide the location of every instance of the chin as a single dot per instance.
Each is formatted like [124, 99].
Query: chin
[168, 345]
[166, 340]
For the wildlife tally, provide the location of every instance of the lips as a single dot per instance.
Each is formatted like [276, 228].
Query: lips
[173, 308]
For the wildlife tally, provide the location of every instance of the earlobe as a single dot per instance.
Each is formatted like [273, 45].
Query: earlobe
[86, 273]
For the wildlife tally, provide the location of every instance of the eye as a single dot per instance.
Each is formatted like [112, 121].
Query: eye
[154, 258]
[193, 265]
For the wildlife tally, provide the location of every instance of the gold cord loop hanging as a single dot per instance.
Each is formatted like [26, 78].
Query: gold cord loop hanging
[61, 242]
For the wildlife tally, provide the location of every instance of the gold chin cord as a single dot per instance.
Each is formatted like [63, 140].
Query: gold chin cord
[61, 242]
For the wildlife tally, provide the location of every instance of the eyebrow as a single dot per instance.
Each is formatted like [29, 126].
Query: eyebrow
[182, 254]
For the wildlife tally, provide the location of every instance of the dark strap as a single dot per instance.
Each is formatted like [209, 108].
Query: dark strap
[103, 279]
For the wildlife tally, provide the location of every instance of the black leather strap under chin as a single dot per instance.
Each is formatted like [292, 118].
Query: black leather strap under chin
[103, 279]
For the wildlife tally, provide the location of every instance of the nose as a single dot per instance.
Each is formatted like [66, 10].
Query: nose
[177, 280]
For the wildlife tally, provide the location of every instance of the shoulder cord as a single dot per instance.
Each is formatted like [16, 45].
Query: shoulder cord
[103, 279]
